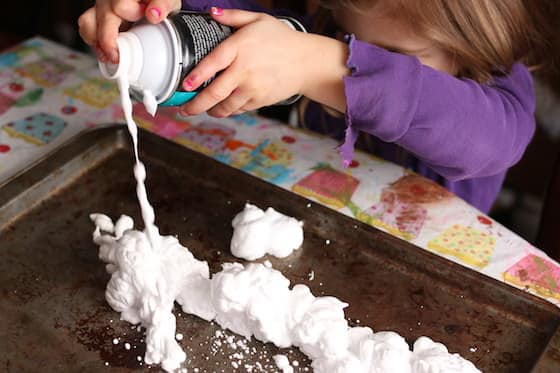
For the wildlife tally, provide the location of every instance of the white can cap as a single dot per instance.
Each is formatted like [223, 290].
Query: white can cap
[130, 49]
[149, 55]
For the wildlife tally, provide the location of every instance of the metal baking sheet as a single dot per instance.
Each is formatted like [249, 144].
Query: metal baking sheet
[54, 318]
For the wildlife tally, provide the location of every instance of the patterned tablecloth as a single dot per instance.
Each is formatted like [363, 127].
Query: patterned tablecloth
[49, 94]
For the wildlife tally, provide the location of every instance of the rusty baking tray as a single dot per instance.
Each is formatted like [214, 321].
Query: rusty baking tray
[53, 316]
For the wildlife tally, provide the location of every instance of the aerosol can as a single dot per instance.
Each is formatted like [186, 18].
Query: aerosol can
[157, 58]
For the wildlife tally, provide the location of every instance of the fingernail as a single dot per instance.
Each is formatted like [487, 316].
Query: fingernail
[216, 11]
[188, 84]
[184, 113]
[100, 55]
[115, 57]
[155, 12]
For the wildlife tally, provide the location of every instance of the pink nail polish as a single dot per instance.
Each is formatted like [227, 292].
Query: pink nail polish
[115, 57]
[155, 12]
[100, 55]
[188, 84]
[216, 11]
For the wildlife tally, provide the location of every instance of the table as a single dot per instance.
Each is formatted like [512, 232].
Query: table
[49, 94]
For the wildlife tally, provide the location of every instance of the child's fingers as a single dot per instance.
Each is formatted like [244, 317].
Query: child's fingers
[108, 29]
[219, 90]
[234, 103]
[158, 10]
[88, 26]
[129, 10]
[219, 59]
[235, 18]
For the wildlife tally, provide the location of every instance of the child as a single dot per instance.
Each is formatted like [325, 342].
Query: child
[438, 84]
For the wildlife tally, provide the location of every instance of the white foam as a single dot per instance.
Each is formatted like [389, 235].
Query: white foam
[144, 284]
[251, 300]
[150, 102]
[257, 233]
[283, 363]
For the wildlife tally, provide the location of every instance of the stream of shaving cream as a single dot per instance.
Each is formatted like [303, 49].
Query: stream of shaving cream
[147, 210]
[150, 272]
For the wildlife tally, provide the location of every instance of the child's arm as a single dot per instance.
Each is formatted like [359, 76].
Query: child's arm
[462, 129]
[265, 62]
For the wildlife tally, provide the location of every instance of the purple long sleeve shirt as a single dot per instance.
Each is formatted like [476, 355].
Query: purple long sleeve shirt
[460, 133]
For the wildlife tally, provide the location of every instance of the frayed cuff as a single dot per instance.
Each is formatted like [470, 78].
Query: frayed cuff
[346, 150]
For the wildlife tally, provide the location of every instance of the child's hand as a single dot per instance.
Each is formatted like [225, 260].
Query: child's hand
[263, 63]
[100, 25]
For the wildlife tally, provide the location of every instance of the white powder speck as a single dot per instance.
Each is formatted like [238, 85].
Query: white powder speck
[311, 275]
[328, 242]
[179, 337]
[127, 346]
[116, 341]
[267, 264]
[283, 363]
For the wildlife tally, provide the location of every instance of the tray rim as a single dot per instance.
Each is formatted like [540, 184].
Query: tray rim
[87, 140]
[61, 147]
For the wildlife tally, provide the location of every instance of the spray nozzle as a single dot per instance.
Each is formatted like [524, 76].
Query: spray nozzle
[131, 56]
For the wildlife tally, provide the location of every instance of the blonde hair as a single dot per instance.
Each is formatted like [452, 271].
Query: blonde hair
[485, 37]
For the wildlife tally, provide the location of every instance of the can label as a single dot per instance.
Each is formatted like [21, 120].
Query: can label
[199, 34]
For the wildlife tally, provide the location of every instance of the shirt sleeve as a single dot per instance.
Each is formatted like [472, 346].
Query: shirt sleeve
[205, 5]
[460, 128]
